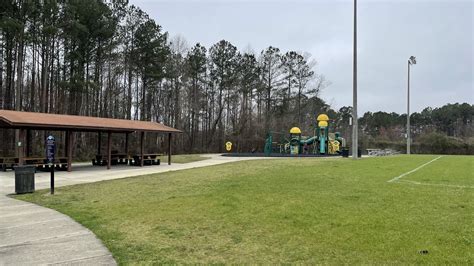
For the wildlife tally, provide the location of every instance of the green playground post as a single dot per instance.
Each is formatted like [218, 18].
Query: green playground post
[268, 144]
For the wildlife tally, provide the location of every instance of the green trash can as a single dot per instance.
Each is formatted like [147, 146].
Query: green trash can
[345, 153]
[24, 179]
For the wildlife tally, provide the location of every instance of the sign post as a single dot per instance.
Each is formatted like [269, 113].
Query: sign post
[50, 143]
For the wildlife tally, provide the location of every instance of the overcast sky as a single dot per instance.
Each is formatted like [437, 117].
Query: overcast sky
[438, 33]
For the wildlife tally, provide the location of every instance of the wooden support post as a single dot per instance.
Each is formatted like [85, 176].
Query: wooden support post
[127, 161]
[169, 148]
[109, 150]
[28, 142]
[66, 144]
[142, 147]
[64, 139]
[99, 142]
[21, 149]
[126, 143]
[69, 147]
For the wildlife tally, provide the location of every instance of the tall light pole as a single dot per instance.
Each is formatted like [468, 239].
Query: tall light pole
[355, 124]
[411, 61]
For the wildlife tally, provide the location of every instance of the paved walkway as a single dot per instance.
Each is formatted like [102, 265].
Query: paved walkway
[31, 234]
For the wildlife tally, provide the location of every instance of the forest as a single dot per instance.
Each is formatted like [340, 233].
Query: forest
[110, 59]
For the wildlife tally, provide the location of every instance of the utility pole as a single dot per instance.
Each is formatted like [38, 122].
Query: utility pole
[411, 61]
[355, 124]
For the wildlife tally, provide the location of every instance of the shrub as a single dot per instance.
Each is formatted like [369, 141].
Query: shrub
[432, 143]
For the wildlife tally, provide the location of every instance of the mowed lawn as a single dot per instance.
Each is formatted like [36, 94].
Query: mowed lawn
[184, 158]
[296, 210]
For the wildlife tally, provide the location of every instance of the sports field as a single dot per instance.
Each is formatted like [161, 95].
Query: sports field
[385, 210]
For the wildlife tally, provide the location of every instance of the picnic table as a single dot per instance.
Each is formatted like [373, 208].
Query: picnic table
[116, 158]
[8, 162]
[148, 159]
[40, 163]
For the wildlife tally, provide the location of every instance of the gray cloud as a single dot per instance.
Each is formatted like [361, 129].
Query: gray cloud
[438, 33]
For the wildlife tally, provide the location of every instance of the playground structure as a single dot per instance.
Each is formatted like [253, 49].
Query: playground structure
[321, 143]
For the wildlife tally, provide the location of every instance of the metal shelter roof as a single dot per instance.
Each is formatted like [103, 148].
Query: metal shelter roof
[29, 120]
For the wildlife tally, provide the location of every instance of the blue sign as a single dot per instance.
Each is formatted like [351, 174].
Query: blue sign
[50, 149]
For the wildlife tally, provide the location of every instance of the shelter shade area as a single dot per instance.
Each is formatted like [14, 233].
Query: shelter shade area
[25, 122]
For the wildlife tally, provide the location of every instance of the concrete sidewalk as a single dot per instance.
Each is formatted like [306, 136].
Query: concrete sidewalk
[30, 234]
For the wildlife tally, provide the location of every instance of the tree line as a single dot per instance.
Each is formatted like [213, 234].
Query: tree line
[443, 130]
[110, 59]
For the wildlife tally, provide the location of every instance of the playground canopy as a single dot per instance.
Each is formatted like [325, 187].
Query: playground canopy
[26, 121]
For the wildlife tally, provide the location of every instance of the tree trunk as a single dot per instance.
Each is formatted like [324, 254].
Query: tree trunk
[44, 75]
[2, 36]
[19, 71]
[33, 78]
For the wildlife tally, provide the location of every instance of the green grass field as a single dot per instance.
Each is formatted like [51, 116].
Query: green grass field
[297, 210]
[184, 158]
